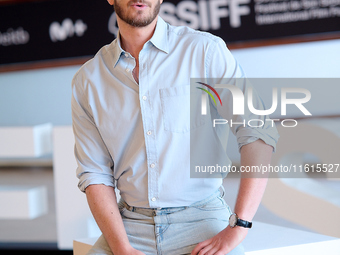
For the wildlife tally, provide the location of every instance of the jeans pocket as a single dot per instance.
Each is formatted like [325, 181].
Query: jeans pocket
[180, 109]
[216, 203]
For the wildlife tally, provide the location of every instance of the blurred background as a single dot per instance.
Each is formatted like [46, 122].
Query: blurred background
[43, 44]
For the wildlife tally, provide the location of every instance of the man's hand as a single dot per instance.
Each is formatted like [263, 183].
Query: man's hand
[248, 199]
[222, 243]
[136, 252]
[132, 251]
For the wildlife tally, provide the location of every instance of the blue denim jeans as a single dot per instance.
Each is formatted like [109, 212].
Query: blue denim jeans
[174, 230]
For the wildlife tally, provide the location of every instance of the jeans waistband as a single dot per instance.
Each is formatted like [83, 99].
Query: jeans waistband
[155, 211]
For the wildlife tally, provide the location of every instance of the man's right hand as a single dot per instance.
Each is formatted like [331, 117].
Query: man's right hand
[135, 252]
[127, 251]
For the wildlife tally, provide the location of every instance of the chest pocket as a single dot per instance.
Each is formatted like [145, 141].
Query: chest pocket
[181, 109]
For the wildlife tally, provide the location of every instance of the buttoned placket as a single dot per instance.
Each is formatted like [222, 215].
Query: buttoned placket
[148, 126]
[129, 65]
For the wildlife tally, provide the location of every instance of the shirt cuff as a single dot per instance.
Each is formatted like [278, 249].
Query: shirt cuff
[87, 179]
[249, 135]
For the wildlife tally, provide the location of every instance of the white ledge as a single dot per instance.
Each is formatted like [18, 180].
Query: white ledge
[20, 142]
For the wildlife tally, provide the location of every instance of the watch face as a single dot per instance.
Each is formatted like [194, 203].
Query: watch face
[232, 220]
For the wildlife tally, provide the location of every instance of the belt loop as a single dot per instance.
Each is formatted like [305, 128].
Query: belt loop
[128, 207]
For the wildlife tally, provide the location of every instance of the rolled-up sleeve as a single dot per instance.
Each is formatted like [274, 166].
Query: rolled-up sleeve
[222, 64]
[95, 164]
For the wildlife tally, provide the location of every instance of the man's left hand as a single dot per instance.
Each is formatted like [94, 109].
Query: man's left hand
[222, 243]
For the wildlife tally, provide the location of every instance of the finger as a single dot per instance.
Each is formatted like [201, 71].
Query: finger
[206, 250]
[211, 251]
[200, 246]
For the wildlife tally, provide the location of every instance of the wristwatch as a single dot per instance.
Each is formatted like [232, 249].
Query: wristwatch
[234, 221]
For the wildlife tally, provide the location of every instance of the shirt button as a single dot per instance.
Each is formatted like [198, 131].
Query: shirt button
[149, 132]
[144, 98]
[153, 199]
[126, 55]
[127, 70]
[152, 165]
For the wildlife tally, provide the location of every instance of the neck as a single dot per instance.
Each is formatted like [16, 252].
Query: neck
[133, 38]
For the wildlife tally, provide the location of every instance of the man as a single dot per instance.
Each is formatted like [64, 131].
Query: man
[130, 112]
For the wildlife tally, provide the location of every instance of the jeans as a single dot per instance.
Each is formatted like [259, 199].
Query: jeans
[174, 230]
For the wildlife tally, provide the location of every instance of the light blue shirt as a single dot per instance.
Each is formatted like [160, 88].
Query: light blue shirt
[136, 137]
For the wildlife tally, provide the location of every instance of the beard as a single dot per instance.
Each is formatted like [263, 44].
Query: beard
[136, 21]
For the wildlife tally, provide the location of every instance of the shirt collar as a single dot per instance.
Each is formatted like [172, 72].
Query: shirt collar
[118, 51]
[159, 40]
[160, 36]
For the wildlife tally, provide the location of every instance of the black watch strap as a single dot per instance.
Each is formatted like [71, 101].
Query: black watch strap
[234, 221]
[244, 223]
